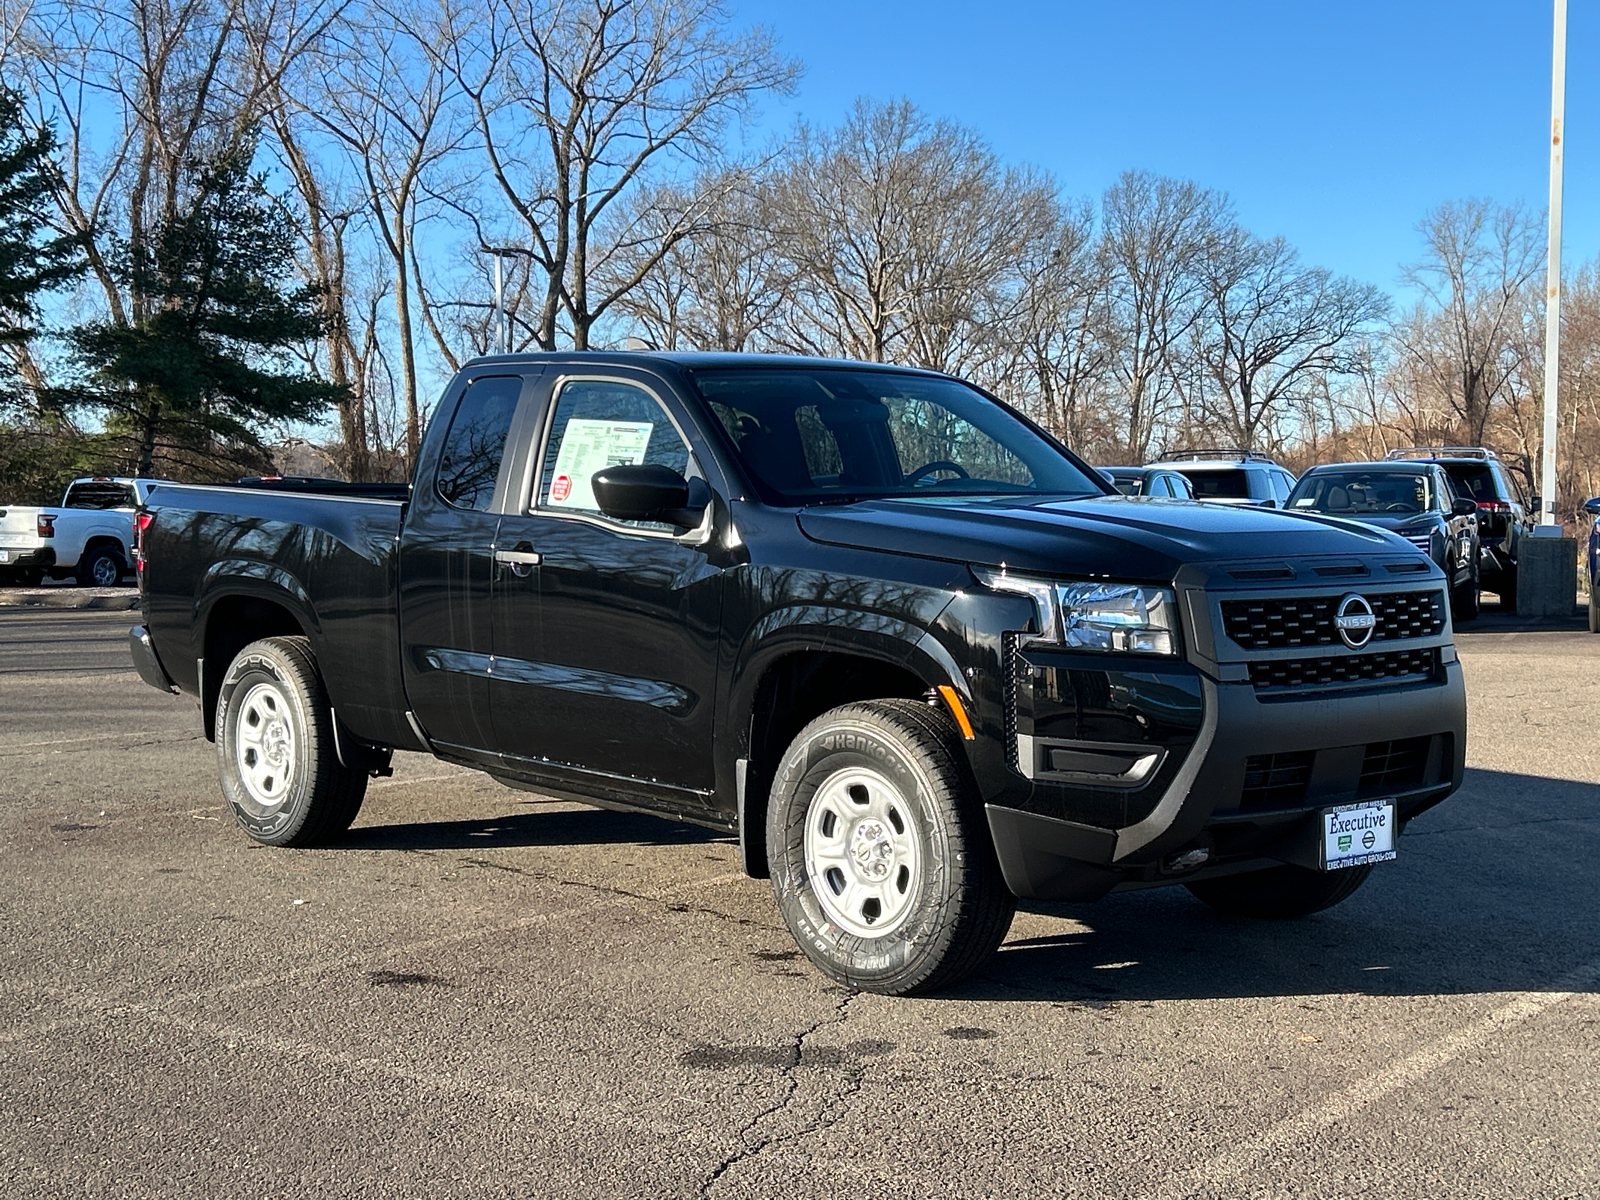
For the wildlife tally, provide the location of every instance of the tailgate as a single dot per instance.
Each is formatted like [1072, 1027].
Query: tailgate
[19, 528]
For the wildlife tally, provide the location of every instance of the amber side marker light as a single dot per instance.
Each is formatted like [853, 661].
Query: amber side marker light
[957, 710]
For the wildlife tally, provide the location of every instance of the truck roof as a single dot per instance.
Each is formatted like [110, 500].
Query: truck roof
[692, 359]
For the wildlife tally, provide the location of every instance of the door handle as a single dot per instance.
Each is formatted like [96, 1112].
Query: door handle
[521, 560]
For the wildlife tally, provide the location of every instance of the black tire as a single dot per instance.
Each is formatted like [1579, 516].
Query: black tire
[101, 566]
[1279, 893]
[1464, 602]
[275, 745]
[953, 905]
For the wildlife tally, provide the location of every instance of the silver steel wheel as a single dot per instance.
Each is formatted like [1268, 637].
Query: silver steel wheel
[264, 746]
[861, 852]
[104, 571]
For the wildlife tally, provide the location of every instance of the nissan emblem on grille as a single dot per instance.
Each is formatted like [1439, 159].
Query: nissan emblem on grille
[1355, 621]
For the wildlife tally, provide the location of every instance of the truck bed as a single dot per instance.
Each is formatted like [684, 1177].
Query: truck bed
[326, 556]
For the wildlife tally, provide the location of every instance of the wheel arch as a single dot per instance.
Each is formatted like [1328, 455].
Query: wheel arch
[798, 673]
[230, 619]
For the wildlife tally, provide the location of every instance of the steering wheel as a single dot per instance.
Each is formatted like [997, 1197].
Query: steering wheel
[1400, 506]
[927, 469]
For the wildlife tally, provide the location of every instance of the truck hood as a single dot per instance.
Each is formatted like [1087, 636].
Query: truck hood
[1129, 537]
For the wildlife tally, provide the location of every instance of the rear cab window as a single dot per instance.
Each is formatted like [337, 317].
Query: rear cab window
[99, 494]
[469, 463]
[1226, 484]
[1473, 480]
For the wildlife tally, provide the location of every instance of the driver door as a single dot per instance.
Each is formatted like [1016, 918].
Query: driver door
[606, 635]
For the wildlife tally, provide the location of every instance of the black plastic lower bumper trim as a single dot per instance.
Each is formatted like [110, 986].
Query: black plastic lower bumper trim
[146, 662]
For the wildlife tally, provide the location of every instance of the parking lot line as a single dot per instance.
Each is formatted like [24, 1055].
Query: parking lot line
[1247, 1155]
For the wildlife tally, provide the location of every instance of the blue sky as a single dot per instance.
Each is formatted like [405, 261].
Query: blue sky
[1335, 125]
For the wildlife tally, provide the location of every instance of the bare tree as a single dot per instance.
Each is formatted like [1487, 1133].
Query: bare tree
[1272, 331]
[1155, 232]
[901, 232]
[577, 104]
[720, 287]
[1462, 340]
[380, 91]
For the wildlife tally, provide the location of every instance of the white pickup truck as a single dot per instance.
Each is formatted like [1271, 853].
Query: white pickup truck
[88, 535]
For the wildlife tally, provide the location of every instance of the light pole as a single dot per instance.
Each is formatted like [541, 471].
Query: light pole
[502, 325]
[1552, 302]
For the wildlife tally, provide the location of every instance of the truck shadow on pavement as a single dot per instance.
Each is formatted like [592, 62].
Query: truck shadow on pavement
[564, 827]
[1492, 892]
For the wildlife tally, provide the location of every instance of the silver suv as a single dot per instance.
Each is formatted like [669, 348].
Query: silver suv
[1232, 476]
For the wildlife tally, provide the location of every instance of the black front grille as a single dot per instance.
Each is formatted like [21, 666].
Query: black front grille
[1285, 673]
[1394, 766]
[1275, 781]
[1407, 615]
[1278, 622]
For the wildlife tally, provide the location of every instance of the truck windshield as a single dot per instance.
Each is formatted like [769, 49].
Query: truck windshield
[830, 434]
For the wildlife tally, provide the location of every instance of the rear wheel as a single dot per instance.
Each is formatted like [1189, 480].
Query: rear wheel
[881, 858]
[101, 566]
[280, 772]
[1279, 893]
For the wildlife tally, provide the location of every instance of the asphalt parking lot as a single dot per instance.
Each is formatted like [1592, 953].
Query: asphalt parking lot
[485, 994]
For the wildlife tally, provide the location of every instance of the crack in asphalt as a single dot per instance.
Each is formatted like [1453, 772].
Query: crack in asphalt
[850, 1084]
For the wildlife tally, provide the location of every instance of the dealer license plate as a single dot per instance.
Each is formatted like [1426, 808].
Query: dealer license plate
[1356, 834]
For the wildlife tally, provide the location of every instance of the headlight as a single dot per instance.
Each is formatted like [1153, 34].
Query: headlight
[1121, 617]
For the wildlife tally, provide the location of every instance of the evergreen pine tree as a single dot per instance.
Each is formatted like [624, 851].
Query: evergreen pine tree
[33, 259]
[206, 364]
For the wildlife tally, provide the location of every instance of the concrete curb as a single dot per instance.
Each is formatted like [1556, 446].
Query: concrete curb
[98, 599]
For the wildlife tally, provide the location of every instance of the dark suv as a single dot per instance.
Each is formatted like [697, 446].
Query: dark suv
[1503, 518]
[1232, 476]
[1416, 501]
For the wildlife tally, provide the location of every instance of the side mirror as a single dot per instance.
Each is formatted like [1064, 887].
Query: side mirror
[650, 492]
[1592, 506]
[1464, 507]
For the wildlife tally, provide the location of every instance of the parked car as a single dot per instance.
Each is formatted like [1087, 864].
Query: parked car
[1149, 481]
[1592, 507]
[1231, 476]
[1503, 519]
[88, 535]
[916, 656]
[1414, 501]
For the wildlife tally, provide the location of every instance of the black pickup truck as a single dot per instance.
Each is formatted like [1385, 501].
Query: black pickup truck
[920, 658]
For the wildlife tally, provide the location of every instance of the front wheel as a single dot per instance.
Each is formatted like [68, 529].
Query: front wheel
[1279, 893]
[881, 858]
[281, 774]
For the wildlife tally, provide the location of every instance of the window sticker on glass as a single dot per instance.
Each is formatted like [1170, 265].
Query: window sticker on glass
[590, 446]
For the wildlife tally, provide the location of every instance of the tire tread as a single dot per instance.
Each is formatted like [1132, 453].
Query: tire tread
[337, 791]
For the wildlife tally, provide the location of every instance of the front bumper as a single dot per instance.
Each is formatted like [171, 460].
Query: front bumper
[1234, 752]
